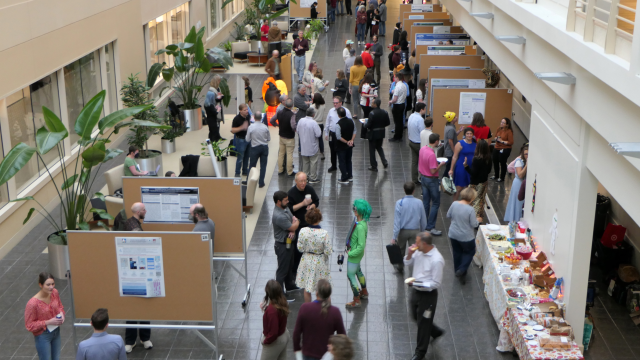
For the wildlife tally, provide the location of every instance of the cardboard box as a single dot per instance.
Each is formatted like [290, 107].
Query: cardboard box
[552, 308]
[547, 270]
[538, 260]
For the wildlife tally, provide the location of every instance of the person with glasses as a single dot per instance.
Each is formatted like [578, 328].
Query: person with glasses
[302, 198]
[330, 130]
[355, 247]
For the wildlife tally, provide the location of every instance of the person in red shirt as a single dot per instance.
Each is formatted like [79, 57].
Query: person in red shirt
[264, 39]
[480, 129]
[367, 60]
[275, 335]
[43, 316]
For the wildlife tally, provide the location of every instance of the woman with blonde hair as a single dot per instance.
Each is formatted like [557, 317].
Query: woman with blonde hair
[315, 246]
[212, 106]
[462, 232]
[319, 85]
[275, 335]
[340, 347]
[309, 74]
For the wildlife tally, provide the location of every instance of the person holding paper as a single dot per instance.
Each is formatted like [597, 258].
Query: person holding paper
[428, 264]
[43, 316]
[101, 345]
[131, 168]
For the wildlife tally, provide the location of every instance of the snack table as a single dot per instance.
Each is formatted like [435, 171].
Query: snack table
[495, 293]
[517, 331]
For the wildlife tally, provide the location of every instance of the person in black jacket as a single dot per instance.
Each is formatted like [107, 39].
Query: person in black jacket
[345, 135]
[396, 33]
[479, 169]
[378, 121]
[287, 132]
[314, 13]
[341, 85]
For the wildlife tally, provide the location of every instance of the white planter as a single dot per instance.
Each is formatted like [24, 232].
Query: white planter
[192, 118]
[58, 260]
[168, 146]
[150, 164]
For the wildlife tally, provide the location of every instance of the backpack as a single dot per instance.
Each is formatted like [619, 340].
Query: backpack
[511, 168]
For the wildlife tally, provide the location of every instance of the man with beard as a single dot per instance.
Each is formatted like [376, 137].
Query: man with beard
[134, 223]
[200, 217]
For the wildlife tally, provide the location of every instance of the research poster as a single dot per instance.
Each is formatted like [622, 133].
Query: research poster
[445, 50]
[441, 39]
[442, 29]
[453, 84]
[427, 23]
[421, 8]
[169, 204]
[471, 103]
[140, 266]
[306, 3]
[416, 17]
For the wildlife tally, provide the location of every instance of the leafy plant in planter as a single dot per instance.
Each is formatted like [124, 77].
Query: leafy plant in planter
[241, 34]
[73, 192]
[221, 153]
[174, 130]
[136, 93]
[191, 69]
[226, 46]
[316, 27]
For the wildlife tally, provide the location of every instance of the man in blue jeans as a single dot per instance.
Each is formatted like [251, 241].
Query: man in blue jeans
[239, 128]
[430, 171]
[258, 137]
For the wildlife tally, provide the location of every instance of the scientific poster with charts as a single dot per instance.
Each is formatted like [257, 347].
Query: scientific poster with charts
[140, 266]
[306, 3]
[471, 103]
[168, 204]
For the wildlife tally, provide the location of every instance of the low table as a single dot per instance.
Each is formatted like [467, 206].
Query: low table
[258, 59]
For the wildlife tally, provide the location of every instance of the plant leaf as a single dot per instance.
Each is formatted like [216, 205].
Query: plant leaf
[83, 226]
[224, 88]
[101, 224]
[200, 33]
[167, 74]
[205, 65]
[148, 123]
[54, 124]
[111, 153]
[15, 160]
[81, 199]
[23, 199]
[47, 140]
[117, 116]
[99, 195]
[103, 213]
[69, 183]
[191, 37]
[28, 215]
[162, 51]
[181, 62]
[84, 176]
[278, 13]
[225, 3]
[93, 155]
[185, 45]
[199, 50]
[90, 115]
[153, 74]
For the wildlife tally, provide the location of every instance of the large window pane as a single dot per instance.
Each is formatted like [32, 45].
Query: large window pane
[213, 6]
[178, 25]
[45, 93]
[112, 90]
[82, 82]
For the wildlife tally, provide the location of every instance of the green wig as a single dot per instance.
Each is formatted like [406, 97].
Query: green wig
[362, 208]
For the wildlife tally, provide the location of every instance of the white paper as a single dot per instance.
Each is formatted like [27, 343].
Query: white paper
[416, 17]
[140, 266]
[306, 3]
[52, 327]
[421, 8]
[471, 103]
[477, 84]
[442, 29]
[554, 233]
[169, 204]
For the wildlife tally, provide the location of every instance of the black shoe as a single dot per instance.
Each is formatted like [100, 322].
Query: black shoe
[351, 179]
[346, 182]
[293, 288]
[417, 182]
[385, 165]
[322, 157]
[281, 173]
[394, 140]
[261, 186]
[435, 335]
[244, 182]
[223, 139]
[293, 173]
[417, 357]
[493, 178]
[332, 169]
[371, 168]
[314, 181]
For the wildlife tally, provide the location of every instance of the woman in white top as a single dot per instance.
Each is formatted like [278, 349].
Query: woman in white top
[346, 50]
[318, 103]
[319, 85]
[367, 95]
[421, 92]
[307, 78]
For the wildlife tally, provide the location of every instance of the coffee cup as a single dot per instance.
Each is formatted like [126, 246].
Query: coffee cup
[308, 196]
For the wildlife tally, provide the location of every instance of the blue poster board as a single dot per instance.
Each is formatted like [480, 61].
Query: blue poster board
[435, 39]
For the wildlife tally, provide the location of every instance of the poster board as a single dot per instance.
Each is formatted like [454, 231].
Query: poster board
[427, 61]
[468, 49]
[498, 106]
[429, 30]
[297, 11]
[285, 71]
[452, 74]
[187, 265]
[435, 38]
[407, 8]
[408, 25]
[221, 197]
[425, 16]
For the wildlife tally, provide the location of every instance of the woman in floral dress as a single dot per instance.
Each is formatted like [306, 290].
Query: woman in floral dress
[315, 246]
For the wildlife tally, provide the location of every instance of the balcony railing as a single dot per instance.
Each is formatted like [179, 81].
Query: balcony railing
[608, 23]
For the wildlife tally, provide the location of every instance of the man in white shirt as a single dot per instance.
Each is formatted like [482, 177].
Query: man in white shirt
[414, 126]
[398, 102]
[309, 132]
[426, 132]
[330, 130]
[427, 271]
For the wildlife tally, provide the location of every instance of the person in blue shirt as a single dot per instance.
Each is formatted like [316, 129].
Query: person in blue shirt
[409, 220]
[101, 345]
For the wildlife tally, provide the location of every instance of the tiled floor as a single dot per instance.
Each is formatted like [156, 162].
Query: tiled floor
[381, 329]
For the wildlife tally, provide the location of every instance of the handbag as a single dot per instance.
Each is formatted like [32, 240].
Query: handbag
[511, 168]
[448, 187]
[395, 255]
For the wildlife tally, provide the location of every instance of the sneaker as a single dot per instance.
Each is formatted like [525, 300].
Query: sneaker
[492, 178]
[314, 181]
[281, 173]
[244, 182]
[371, 168]
[346, 182]
[261, 186]
[385, 165]
[351, 179]
[322, 157]
[293, 173]
[332, 169]
[129, 348]
[499, 180]
[147, 344]
[435, 232]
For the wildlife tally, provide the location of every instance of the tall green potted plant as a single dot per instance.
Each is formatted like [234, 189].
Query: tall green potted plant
[169, 135]
[190, 73]
[74, 189]
[135, 93]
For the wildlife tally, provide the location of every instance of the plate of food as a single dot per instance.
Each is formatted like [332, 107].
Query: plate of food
[442, 159]
[493, 227]
[538, 328]
[497, 237]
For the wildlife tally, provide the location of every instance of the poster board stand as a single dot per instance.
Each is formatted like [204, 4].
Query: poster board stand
[184, 256]
[299, 13]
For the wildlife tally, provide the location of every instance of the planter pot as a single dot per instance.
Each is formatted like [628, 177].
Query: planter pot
[168, 146]
[192, 118]
[152, 162]
[58, 257]
[222, 165]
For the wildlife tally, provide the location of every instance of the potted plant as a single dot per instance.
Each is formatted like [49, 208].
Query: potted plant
[169, 135]
[135, 93]
[191, 72]
[316, 27]
[226, 46]
[74, 189]
[221, 154]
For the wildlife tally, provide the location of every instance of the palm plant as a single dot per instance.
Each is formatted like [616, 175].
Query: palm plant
[92, 152]
[135, 93]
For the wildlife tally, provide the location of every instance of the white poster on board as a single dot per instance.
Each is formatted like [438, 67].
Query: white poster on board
[168, 204]
[306, 3]
[140, 266]
[421, 8]
[445, 50]
[416, 17]
[442, 29]
[471, 103]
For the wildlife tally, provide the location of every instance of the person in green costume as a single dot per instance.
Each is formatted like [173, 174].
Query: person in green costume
[358, 240]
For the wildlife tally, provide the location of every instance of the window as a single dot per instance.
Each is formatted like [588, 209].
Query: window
[82, 82]
[213, 6]
[112, 90]
[4, 194]
[24, 111]
[178, 24]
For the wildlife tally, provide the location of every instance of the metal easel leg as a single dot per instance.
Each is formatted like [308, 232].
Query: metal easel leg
[74, 335]
[206, 341]
[244, 249]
